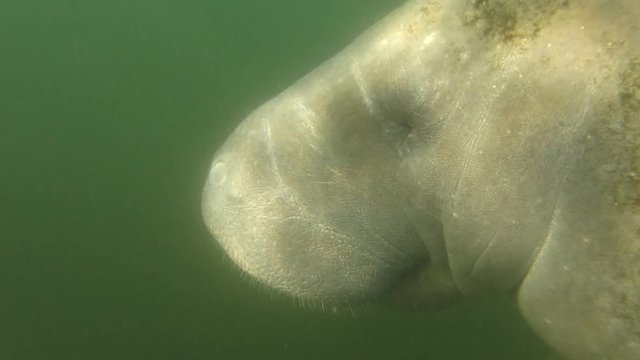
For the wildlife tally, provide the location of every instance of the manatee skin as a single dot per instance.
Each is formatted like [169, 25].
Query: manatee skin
[456, 148]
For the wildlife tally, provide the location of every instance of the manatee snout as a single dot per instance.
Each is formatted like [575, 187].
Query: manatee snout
[300, 220]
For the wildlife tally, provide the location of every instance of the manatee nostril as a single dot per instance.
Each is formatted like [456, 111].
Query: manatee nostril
[213, 195]
[218, 173]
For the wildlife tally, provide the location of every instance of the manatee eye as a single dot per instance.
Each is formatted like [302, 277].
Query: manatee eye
[397, 124]
[398, 127]
[404, 127]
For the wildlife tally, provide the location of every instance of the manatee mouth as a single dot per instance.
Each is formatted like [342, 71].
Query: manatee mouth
[422, 288]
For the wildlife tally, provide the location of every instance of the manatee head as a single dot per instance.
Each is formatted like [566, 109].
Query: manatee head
[439, 140]
[457, 147]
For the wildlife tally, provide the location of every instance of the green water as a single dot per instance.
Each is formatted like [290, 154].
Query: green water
[110, 113]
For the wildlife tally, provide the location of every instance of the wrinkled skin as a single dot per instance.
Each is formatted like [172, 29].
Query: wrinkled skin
[457, 148]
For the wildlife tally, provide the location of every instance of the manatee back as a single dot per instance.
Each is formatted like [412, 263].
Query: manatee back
[582, 293]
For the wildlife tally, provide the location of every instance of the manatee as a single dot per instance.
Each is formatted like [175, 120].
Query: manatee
[456, 148]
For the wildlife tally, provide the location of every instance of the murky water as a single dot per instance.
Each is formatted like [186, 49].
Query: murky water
[109, 115]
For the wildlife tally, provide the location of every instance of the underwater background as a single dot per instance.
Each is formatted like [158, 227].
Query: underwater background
[110, 113]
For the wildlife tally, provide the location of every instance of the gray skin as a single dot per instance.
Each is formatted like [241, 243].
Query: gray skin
[456, 148]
